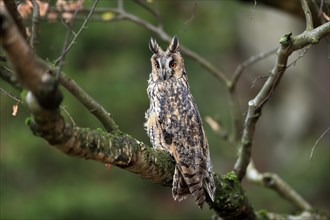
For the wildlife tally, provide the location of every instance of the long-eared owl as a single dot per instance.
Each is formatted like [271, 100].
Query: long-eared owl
[175, 125]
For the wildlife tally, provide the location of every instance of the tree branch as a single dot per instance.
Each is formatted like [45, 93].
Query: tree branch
[67, 46]
[120, 149]
[35, 25]
[273, 181]
[241, 67]
[12, 9]
[8, 76]
[91, 104]
[114, 148]
[308, 15]
[124, 15]
[288, 45]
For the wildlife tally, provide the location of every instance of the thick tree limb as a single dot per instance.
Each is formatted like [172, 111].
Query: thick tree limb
[12, 9]
[115, 148]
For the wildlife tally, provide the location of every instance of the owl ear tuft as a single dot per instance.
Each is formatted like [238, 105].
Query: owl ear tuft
[174, 45]
[153, 45]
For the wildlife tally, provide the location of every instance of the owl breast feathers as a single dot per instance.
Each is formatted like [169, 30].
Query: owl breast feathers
[174, 124]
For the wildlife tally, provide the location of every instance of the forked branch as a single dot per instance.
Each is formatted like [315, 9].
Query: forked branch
[115, 148]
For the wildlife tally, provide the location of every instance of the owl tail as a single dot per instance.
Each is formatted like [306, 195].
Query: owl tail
[179, 189]
[185, 182]
[209, 184]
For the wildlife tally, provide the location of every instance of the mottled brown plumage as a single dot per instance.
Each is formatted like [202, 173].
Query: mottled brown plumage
[174, 124]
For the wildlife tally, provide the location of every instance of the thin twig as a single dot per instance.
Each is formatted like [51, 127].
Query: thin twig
[7, 75]
[288, 45]
[4, 92]
[69, 26]
[123, 15]
[73, 41]
[308, 15]
[91, 104]
[273, 181]
[189, 21]
[317, 141]
[35, 25]
[67, 113]
[300, 56]
[153, 12]
[241, 67]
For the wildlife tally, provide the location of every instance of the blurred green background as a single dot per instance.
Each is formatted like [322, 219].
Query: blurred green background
[111, 62]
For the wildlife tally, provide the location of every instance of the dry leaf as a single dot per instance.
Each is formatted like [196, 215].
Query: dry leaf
[25, 9]
[326, 16]
[67, 16]
[15, 110]
[43, 7]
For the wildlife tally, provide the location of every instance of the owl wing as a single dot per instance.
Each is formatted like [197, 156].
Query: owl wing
[184, 135]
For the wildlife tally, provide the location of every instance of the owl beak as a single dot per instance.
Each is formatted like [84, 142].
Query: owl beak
[163, 74]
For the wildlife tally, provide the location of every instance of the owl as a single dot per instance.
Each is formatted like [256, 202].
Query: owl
[173, 123]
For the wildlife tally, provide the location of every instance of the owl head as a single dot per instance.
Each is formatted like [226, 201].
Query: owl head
[166, 64]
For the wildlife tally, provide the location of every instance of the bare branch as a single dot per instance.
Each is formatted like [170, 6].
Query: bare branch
[273, 181]
[300, 56]
[68, 114]
[305, 215]
[241, 67]
[308, 15]
[35, 25]
[123, 15]
[8, 76]
[317, 141]
[73, 41]
[114, 148]
[288, 45]
[4, 92]
[92, 105]
[12, 9]
[60, 60]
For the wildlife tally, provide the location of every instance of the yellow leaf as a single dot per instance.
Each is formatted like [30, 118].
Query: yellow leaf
[106, 16]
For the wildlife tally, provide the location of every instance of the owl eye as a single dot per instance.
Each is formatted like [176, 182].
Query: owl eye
[157, 65]
[172, 64]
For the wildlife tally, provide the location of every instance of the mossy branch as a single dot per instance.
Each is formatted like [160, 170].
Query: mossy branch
[115, 148]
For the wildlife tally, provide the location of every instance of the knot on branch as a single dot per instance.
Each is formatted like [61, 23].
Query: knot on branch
[286, 39]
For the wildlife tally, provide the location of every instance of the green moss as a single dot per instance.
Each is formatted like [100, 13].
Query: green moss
[230, 176]
[286, 39]
[28, 120]
[314, 40]
[117, 132]
[23, 95]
